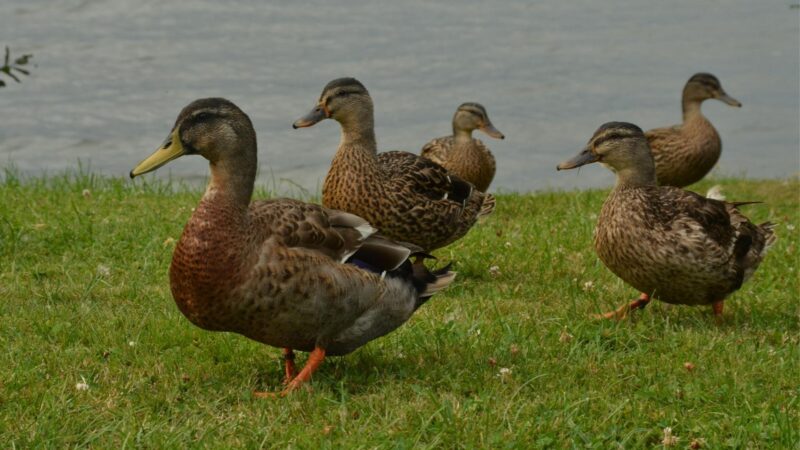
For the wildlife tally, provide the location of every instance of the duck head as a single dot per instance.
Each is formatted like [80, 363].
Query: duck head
[472, 116]
[621, 147]
[345, 100]
[214, 128]
[702, 86]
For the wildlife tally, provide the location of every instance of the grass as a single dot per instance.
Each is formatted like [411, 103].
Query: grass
[506, 358]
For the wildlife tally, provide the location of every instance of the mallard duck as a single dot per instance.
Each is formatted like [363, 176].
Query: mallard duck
[463, 155]
[282, 272]
[685, 153]
[670, 244]
[405, 196]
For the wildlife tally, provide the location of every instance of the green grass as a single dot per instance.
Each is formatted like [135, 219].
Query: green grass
[85, 298]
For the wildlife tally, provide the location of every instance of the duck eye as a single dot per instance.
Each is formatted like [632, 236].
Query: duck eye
[202, 116]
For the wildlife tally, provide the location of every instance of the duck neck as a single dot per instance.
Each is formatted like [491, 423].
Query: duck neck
[358, 130]
[691, 108]
[461, 136]
[641, 171]
[357, 147]
[635, 177]
[232, 180]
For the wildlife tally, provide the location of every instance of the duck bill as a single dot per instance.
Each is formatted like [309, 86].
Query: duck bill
[724, 97]
[583, 158]
[316, 115]
[492, 131]
[169, 150]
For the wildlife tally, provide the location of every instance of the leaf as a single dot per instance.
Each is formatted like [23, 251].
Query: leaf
[16, 78]
[24, 59]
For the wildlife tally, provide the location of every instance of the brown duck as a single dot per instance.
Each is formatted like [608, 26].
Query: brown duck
[281, 272]
[463, 155]
[673, 245]
[405, 196]
[685, 153]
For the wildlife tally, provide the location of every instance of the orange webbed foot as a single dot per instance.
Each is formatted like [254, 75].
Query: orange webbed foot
[623, 311]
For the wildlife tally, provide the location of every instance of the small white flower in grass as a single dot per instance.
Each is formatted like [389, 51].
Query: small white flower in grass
[83, 385]
[508, 244]
[588, 286]
[103, 270]
[494, 271]
[504, 372]
[669, 439]
[131, 344]
[86, 193]
[790, 227]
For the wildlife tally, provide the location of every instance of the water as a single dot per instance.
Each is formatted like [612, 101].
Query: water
[112, 75]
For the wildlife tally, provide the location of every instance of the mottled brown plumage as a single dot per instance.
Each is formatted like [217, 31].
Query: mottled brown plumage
[406, 197]
[275, 270]
[463, 155]
[685, 153]
[670, 244]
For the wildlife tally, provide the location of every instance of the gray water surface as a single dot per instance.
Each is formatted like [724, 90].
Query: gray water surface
[112, 75]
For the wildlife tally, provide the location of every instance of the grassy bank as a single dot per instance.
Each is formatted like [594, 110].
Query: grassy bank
[95, 353]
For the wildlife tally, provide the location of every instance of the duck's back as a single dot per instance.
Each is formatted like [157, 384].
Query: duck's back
[686, 153]
[408, 198]
[676, 245]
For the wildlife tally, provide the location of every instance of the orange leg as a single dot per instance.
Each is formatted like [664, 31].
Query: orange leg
[289, 367]
[717, 307]
[315, 358]
[622, 312]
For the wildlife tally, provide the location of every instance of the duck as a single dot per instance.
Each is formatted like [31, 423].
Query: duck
[670, 244]
[463, 155]
[286, 273]
[407, 197]
[685, 153]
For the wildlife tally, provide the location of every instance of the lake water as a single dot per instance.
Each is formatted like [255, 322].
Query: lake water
[112, 75]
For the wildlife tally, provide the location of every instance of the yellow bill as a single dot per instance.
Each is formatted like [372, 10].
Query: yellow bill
[169, 150]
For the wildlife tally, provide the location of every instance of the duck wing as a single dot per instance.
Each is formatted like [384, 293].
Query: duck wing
[336, 234]
[734, 240]
[424, 177]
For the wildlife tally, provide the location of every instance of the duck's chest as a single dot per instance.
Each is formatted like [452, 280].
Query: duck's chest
[206, 267]
[624, 232]
[703, 142]
[474, 164]
[353, 184]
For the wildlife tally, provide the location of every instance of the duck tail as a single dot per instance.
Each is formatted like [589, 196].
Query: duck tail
[488, 205]
[428, 282]
[768, 231]
[460, 190]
